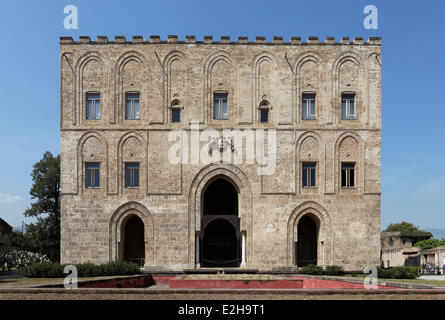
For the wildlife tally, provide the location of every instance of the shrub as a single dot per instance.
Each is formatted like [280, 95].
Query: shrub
[18, 259]
[44, 270]
[404, 272]
[55, 270]
[121, 267]
[312, 269]
[88, 270]
[334, 270]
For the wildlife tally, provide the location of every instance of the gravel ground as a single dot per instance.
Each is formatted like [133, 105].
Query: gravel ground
[215, 296]
[431, 277]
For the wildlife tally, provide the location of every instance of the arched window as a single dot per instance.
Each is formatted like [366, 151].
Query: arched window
[176, 111]
[264, 111]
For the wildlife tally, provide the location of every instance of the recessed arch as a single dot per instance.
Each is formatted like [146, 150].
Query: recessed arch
[176, 86]
[359, 159]
[117, 222]
[79, 88]
[309, 149]
[337, 89]
[300, 86]
[226, 84]
[324, 237]
[139, 85]
[141, 157]
[245, 214]
[102, 158]
[264, 83]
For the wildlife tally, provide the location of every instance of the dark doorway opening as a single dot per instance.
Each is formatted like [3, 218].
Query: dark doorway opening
[306, 247]
[220, 236]
[134, 245]
[220, 198]
[220, 245]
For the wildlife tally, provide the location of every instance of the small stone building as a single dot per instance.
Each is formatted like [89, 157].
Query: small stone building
[434, 257]
[398, 249]
[181, 154]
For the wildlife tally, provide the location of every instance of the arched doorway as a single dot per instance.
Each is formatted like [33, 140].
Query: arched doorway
[307, 242]
[133, 240]
[220, 235]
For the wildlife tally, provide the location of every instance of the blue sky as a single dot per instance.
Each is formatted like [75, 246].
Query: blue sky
[413, 54]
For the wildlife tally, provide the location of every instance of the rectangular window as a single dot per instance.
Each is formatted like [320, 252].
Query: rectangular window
[131, 175]
[220, 106]
[92, 174]
[264, 115]
[176, 115]
[348, 175]
[132, 106]
[347, 106]
[308, 174]
[308, 107]
[93, 106]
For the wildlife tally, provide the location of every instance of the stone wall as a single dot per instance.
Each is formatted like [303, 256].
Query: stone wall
[168, 199]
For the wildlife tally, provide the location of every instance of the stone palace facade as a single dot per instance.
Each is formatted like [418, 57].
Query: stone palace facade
[140, 120]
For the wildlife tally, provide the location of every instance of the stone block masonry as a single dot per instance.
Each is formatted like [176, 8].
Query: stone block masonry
[276, 221]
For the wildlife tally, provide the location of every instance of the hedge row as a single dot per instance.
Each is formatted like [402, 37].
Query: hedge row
[404, 272]
[318, 270]
[55, 270]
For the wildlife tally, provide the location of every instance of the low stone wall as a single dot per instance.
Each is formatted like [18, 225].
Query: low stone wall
[140, 281]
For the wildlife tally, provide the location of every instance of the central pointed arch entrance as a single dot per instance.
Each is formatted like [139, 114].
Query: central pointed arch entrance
[242, 221]
[220, 238]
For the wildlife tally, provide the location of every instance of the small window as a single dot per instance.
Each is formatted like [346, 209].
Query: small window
[131, 175]
[220, 106]
[264, 111]
[308, 107]
[308, 174]
[132, 106]
[176, 111]
[92, 174]
[348, 175]
[93, 106]
[176, 115]
[347, 106]
[265, 115]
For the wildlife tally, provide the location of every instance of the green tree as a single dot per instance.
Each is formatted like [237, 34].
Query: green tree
[429, 243]
[45, 192]
[404, 227]
[407, 229]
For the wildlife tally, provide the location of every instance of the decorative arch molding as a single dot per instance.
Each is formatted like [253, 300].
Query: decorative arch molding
[209, 63]
[319, 159]
[325, 243]
[81, 160]
[360, 163]
[117, 113]
[298, 88]
[361, 95]
[257, 95]
[371, 71]
[120, 161]
[79, 101]
[241, 183]
[169, 95]
[117, 221]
